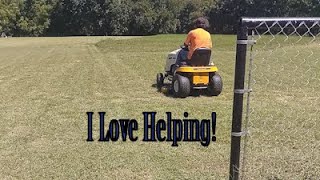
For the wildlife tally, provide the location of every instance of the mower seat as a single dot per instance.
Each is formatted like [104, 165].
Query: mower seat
[200, 57]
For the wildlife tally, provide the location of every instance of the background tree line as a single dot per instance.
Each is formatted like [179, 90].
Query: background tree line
[137, 17]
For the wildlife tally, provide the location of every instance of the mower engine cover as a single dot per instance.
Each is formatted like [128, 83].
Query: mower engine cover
[171, 59]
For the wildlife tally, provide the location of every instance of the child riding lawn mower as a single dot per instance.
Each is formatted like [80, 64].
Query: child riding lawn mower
[197, 73]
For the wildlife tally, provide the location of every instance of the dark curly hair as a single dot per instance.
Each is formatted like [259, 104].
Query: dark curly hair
[202, 22]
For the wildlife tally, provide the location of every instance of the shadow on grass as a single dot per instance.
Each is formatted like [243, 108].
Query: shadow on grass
[168, 91]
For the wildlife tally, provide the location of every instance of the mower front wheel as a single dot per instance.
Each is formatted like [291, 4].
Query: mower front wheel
[160, 79]
[181, 86]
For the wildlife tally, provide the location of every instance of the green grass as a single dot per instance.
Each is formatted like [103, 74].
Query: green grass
[284, 125]
[48, 84]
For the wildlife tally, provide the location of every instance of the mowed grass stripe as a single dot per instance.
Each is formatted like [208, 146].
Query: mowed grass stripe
[36, 117]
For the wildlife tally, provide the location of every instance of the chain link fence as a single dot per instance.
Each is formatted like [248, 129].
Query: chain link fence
[281, 95]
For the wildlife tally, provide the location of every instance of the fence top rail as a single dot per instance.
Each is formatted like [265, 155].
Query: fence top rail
[285, 22]
[272, 19]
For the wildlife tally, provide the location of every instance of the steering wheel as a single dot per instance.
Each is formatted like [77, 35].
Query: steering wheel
[184, 47]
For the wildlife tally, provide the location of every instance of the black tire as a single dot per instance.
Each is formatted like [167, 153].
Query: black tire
[160, 79]
[173, 68]
[180, 86]
[215, 85]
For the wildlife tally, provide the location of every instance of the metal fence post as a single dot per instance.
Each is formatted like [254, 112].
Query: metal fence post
[242, 37]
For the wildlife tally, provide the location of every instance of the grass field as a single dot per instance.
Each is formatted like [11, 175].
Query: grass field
[48, 84]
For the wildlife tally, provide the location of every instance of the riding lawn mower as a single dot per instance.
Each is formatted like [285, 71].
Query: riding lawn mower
[195, 74]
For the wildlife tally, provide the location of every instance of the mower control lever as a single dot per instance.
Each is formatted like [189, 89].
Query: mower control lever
[184, 47]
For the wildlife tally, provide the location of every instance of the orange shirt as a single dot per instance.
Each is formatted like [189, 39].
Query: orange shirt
[198, 38]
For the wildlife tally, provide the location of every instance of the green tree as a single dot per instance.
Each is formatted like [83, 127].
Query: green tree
[279, 8]
[34, 19]
[88, 14]
[9, 13]
[166, 19]
[118, 14]
[143, 18]
[76, 17]
[63, 18]
[187, 16]
[192, 10]
[226, 13]
[304, 8]
[315, 8]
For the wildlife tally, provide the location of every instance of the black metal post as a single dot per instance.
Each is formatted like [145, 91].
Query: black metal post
[242, 37]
